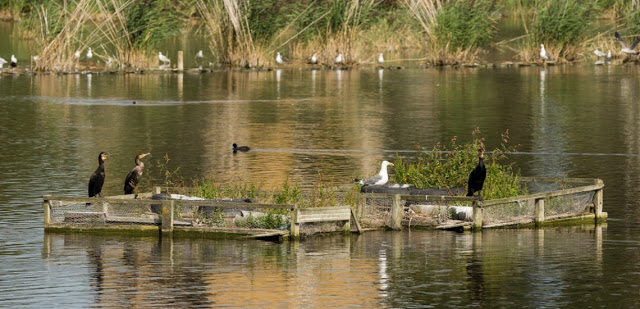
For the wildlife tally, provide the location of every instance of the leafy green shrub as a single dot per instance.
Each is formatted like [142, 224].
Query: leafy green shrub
[450, 165]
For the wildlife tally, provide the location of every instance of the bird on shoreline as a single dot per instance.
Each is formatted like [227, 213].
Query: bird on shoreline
[279, 59]
[599, 53]
[543, 53]
[338, 59]
[377, 180]
[97, 178]
[131, 182]
[630, 50]
[76, 55]
[89, 54]
[240, 148]
[477, 176]
[14, 61]
[163, 58]
[380, 59]
[2, 62]
[314, 59]
[199, 56]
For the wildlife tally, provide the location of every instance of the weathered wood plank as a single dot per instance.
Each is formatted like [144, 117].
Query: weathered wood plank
[540, 195]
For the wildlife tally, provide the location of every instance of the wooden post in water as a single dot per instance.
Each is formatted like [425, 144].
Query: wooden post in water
[476, 226]
[597, 206]
[167, 216]
[46, 206]
[538, 211]
[294, 229]
[180, 61]
[394, 221]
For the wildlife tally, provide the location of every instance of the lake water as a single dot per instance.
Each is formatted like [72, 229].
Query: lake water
[573, 121]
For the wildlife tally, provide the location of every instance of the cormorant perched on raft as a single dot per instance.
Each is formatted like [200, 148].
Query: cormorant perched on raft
[477, 176]
[97, 178]
[134, 175]
[240, 148]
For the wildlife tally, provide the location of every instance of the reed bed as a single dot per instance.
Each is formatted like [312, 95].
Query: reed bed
[248, 34]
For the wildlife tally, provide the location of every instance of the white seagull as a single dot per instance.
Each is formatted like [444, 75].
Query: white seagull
[599, 53]
[14, 61]
[89, 54]
[199, 55]
[314, 59]
[377, 180]
[543, 53]
[279, 59]
[163, 58]
[76, 55]
[609, 54]
[338, 59]
[35, 58]
[380, 59]
[2, 62]
[627, 49]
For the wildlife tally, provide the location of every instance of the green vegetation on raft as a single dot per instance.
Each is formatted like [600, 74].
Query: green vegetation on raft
[450, 165]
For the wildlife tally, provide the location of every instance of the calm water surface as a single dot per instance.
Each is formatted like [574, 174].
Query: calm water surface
[575, 121]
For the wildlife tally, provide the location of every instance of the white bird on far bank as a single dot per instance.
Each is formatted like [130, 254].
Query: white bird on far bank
[163, 58]
[609, 54]
[338, 59]
[76, 55]
[14, 61]
[599, 53]
[89, 54]
[543, 53]
[380, 59]
[199, 55]
[630, 50]
[314, 59]
[2, 62]
[279, 59]
[35, 58]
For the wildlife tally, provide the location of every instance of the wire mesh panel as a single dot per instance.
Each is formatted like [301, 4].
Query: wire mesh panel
[509, 213]
[96, 213]
[569, 204]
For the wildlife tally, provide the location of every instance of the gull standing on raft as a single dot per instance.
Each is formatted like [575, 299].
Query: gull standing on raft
[543, 53]
[338, 59]
[630, 50]
[163, 58]
[380, 59]
[377, 180]
[314, 59]
[14, 61]
[279, 59]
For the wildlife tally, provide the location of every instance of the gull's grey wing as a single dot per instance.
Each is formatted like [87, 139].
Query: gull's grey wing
[372, 180]
[620, 40]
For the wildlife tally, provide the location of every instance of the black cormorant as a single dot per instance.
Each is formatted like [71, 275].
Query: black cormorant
[134, 175]
[240, 148]
[477, 176]
[97, 178]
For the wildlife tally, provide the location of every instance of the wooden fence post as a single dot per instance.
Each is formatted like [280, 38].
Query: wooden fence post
[394, 221]
[477, 217]
[538, 211]
[46, 206]
[167, 216]
[294, 231]
[597, 206]
[180, 61]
